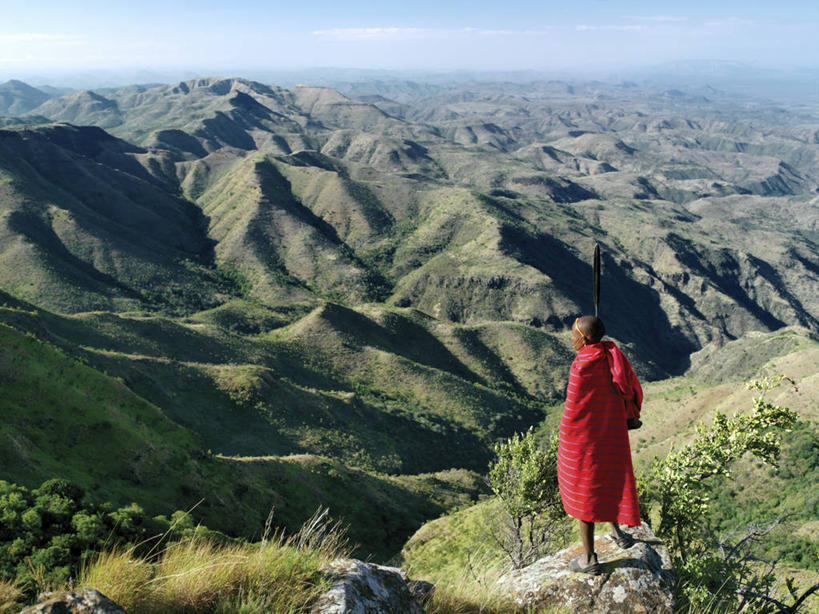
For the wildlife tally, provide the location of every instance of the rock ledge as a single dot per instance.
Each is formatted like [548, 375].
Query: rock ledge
[633, 581]
[366, 588]
[86, 601]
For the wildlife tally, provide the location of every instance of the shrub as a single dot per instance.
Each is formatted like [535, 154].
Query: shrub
[675, 493]
[524, 478]
[48, 533]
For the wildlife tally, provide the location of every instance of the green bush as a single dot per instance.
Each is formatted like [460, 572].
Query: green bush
[48, 534]
[524, 478]
[45, 534]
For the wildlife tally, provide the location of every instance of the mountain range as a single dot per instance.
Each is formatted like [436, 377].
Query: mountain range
[378, 282]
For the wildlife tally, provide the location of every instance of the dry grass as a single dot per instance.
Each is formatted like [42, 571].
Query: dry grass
[280, 575]
[9, 598]
[196, 575]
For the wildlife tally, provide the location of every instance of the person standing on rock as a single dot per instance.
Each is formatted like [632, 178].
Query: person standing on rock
[594, 468]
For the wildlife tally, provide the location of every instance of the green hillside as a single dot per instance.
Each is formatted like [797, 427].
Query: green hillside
[380, 390]
[257, 296]
[17, 97]
[63, 417]
[308, 195]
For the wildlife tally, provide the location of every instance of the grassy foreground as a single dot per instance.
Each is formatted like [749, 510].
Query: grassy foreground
[280, 574]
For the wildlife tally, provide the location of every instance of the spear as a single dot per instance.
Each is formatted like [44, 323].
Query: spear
[596, 279]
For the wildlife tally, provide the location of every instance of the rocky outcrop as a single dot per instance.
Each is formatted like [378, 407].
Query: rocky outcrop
[366, 588]
[634, 580]
[86, 601]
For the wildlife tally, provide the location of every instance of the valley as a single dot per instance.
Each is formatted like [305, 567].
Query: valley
[258, 297]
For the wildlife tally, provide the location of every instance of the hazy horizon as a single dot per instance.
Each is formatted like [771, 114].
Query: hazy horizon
[589, 36]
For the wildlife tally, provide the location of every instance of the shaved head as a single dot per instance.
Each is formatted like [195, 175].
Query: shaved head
[591, 327]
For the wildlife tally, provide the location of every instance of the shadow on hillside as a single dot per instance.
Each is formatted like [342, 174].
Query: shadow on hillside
[631, 311]
[397, 335]
[723, 269]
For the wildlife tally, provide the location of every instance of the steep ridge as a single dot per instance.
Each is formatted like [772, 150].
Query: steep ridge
[353, 209]
[372, 207]
[215, 112]
[270, 236]
[335, 110]
[83, 108]
[380, 390]
[382, 153]
[63, 415]
[86, 226]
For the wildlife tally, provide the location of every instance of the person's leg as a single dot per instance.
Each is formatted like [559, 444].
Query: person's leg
[587, 537]
[616, 531]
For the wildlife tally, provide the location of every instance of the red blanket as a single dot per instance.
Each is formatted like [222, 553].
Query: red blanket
[594, 459]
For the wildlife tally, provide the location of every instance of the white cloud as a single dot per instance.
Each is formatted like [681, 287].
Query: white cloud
[394, 33]
[373, 34]
[626, 28]
[727, 22]
[538, 32]
[659, 18]
[19, 37]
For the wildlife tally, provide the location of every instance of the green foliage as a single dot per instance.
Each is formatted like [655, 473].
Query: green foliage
[233, 280]
[524, 478]
[787, 491]
[676, 495]
[46, 534]
[678, 481]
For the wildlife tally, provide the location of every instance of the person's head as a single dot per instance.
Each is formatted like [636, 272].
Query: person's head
[586, 330]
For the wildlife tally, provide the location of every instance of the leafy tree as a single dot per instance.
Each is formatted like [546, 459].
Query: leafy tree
[524, 477]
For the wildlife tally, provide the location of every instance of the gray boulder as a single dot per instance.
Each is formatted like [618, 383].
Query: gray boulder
[366, 588]
[635, 580]
[86, 601]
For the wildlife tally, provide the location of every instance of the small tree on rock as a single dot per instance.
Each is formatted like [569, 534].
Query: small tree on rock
[524, 477]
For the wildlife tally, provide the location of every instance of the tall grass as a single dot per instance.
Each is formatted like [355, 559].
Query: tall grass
[10, 596]
[280, 574]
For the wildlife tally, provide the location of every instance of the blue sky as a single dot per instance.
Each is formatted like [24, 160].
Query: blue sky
[444, 35]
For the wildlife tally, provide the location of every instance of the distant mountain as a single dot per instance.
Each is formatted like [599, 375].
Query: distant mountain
[17, 97]
[479, 204]
[55, 91]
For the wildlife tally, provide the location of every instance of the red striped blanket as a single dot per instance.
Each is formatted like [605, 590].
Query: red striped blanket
[594, 459]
